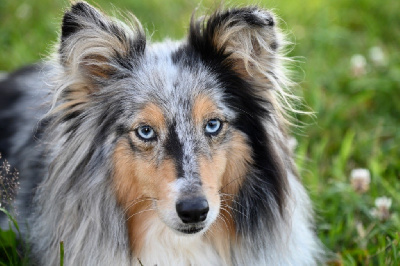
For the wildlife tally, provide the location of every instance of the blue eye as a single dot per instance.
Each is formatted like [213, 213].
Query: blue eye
[146, 133]
[213, 127]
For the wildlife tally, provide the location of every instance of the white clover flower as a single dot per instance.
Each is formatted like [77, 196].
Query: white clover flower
[358, 65]
[383, 202]
[360, 179]
[377, 56]
[382, 211]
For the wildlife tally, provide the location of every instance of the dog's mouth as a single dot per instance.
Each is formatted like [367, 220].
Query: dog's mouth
[190, 231]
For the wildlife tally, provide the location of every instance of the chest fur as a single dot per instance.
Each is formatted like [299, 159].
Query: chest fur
[162, 246]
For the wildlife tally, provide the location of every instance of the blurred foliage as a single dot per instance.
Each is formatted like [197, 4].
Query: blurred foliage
[357, 122]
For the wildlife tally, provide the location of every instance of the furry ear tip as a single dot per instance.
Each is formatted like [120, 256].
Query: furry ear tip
[252, 16]
[70, 23]
[262, 18]
[79, 6]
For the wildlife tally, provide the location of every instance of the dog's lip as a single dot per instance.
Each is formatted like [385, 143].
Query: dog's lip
[190, 230]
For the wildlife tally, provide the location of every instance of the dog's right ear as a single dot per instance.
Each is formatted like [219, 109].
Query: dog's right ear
[93, 46]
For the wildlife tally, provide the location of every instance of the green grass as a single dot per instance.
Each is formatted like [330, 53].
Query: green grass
[357, 122]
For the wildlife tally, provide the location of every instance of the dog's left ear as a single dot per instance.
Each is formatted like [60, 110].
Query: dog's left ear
[245, 39]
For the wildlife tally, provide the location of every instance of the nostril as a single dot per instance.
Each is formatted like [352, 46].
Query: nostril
[192, 210]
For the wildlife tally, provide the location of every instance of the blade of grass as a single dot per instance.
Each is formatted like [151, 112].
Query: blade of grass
[62, 253]
[12, 219]
[11, 259]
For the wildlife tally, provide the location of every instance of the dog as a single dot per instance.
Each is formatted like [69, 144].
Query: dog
[171, 153]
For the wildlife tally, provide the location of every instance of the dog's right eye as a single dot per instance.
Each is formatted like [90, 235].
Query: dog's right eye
[146, 133]
[213, 127]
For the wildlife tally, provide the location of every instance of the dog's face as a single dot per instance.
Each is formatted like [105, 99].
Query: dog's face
[181, 146]
[185, 120]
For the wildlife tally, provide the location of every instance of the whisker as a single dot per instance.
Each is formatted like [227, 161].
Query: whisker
[137, 201]
[140, 212]
[230, 183]
[223, 218]
[232, 199]
[140, 198]
[236, 210]
[227, 211]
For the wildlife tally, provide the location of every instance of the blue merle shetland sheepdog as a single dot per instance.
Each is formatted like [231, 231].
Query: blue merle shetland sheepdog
[171, 153]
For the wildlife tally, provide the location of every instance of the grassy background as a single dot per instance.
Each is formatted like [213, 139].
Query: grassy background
[357, 122]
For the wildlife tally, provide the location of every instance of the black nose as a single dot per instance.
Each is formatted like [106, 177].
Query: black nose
[192, 210]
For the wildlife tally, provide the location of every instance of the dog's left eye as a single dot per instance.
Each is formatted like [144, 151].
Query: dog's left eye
[213, 127]
[146, 133]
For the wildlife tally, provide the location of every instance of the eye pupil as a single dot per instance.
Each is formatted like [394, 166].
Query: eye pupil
[146, 133]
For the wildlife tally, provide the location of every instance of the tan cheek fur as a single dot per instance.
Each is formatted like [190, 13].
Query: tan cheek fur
[235, 158]
[134, 176]
[130, 194]
[139, 181]
[211, 172]
[239, 158]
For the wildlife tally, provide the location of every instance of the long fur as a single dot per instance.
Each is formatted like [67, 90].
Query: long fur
[80, 166]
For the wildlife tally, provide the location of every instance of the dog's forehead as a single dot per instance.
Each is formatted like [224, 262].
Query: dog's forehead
[175, 85]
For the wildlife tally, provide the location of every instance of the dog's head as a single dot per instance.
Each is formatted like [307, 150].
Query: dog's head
[189, 124]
